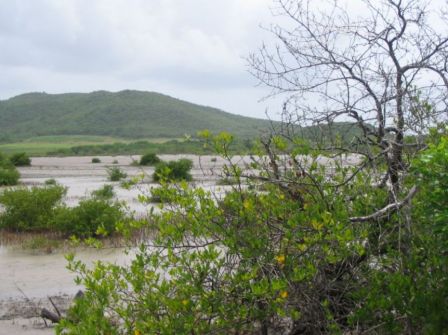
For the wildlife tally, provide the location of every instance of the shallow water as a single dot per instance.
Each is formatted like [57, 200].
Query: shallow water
[28, 275]
[81, 177]
[27, 280]
[25, 274]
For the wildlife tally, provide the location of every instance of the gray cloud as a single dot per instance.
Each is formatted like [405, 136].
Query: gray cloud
[171, 46]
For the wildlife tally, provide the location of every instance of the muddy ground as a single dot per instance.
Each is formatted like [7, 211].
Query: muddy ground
[28, 279]
[20, 316]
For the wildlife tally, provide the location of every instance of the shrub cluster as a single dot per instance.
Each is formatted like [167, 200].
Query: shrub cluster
[8, 173]
[149, 159]
[50, 181]
[116, 174]
[20, 159]
[96, 160]
[92, 217]
[174, 170]
[41, 209]
[30, 209]
[290, 258]
[106, 192]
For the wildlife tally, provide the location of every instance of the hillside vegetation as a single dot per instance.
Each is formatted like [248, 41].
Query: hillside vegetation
[130, 122]
[125, 114]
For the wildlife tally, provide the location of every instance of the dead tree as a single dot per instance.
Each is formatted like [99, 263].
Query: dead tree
[382, 66]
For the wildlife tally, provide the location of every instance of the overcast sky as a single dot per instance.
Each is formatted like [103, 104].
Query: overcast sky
[190, 49]
[194, 50]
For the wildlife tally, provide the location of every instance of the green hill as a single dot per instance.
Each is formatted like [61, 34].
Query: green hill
[125, 114]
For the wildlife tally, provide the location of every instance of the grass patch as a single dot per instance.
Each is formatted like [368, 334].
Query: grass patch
[42, 145]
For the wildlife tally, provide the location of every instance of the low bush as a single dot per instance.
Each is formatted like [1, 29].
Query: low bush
[20, 159]
[51, 181]
[174, 170]
[91, 218]
[96, 160]
[8, 173]
[106, 192]
[9, 176]
[40, 209]
[116, 174]
[149, 159]
[29, 209]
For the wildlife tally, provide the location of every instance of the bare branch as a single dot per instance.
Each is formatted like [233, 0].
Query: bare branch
[386, 210]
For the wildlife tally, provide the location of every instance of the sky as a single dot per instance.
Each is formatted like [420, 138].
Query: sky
[194, 50]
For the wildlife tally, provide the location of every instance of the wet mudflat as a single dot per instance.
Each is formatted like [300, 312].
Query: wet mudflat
[81, 176]
[28, 278]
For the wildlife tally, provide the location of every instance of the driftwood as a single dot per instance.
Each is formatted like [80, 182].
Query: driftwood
[53, 317]
[56, 317]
